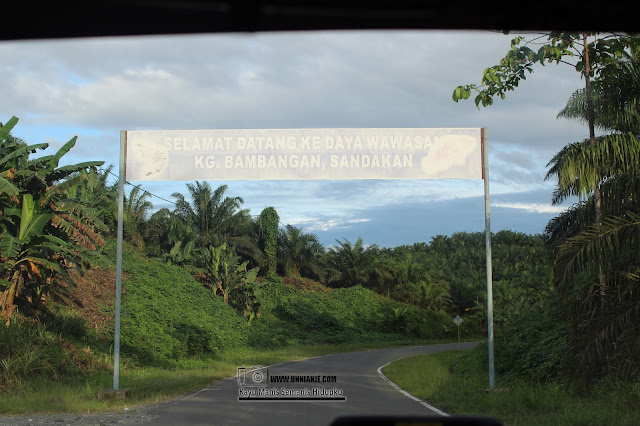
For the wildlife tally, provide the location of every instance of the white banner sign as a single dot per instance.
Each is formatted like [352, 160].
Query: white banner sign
[293, 154]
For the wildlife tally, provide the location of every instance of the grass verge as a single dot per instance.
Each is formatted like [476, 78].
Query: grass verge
[456, 382]
[154, 384]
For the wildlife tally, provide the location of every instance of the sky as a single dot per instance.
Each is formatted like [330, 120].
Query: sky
[94, 88]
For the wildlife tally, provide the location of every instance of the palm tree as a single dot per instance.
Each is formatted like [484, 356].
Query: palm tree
[584, 168]
[354, 264]
[615, 98]
[604, 328]
[300, 253]
[215, 219]
[603, 318]
[136, 208]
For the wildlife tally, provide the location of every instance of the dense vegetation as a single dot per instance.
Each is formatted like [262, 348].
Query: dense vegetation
[594, 243]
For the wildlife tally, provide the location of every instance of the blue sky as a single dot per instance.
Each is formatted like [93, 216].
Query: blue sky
[93, 88]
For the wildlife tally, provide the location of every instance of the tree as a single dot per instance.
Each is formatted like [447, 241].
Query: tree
[615, 99]
[604, 329]
[604, 326]
[418, 279]
[617, 103]
[213, 219]
[597, 56]
[136, 208]
[158, 238]
[353, 264]
[94, 192]
[300, 253]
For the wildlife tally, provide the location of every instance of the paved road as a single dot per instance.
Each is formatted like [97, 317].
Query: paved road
[356, 372]
[365, 390]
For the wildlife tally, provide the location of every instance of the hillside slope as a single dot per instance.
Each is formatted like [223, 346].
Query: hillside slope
[167, 315]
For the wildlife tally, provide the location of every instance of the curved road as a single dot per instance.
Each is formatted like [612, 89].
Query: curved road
[365, 390]
[357, 376]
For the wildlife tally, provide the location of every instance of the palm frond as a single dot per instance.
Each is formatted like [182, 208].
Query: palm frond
[596, 243]
[605, 332]
[580, 166]
[619, 194]
[616, 98]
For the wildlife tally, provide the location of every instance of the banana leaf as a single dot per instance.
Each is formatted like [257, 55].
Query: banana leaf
[8, 126]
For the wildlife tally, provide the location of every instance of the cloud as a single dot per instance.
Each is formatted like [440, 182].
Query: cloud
[517, 158]
[532, 207]
[94, 88]
[323, 79]
[325, 224]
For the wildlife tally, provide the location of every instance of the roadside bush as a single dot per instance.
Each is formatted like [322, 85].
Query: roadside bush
[533, 346]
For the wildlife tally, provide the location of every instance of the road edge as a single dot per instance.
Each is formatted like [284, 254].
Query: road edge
[407, 394]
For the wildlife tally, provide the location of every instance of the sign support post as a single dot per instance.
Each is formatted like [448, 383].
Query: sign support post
[116, 336]
[487, 229]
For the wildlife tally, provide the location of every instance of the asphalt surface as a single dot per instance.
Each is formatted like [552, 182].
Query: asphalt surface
[356, 379]
[366, 392]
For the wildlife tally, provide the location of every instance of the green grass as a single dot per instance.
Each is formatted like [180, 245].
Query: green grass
[456, 382]
[156, 384]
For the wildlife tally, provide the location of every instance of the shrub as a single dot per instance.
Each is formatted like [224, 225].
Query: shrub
[534, 345]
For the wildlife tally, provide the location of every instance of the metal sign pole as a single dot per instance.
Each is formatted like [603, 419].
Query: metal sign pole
[487, 227]
[116, 336]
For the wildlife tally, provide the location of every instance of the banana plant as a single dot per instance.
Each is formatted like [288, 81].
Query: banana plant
[182, 256]
[224, 272]
[25, 250]
[42, 233]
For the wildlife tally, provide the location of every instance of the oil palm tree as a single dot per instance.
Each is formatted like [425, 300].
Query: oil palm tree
[353, 264]
[215, 219]
[582, 168]
[136, 209]
[603, 318]
[299, 253]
